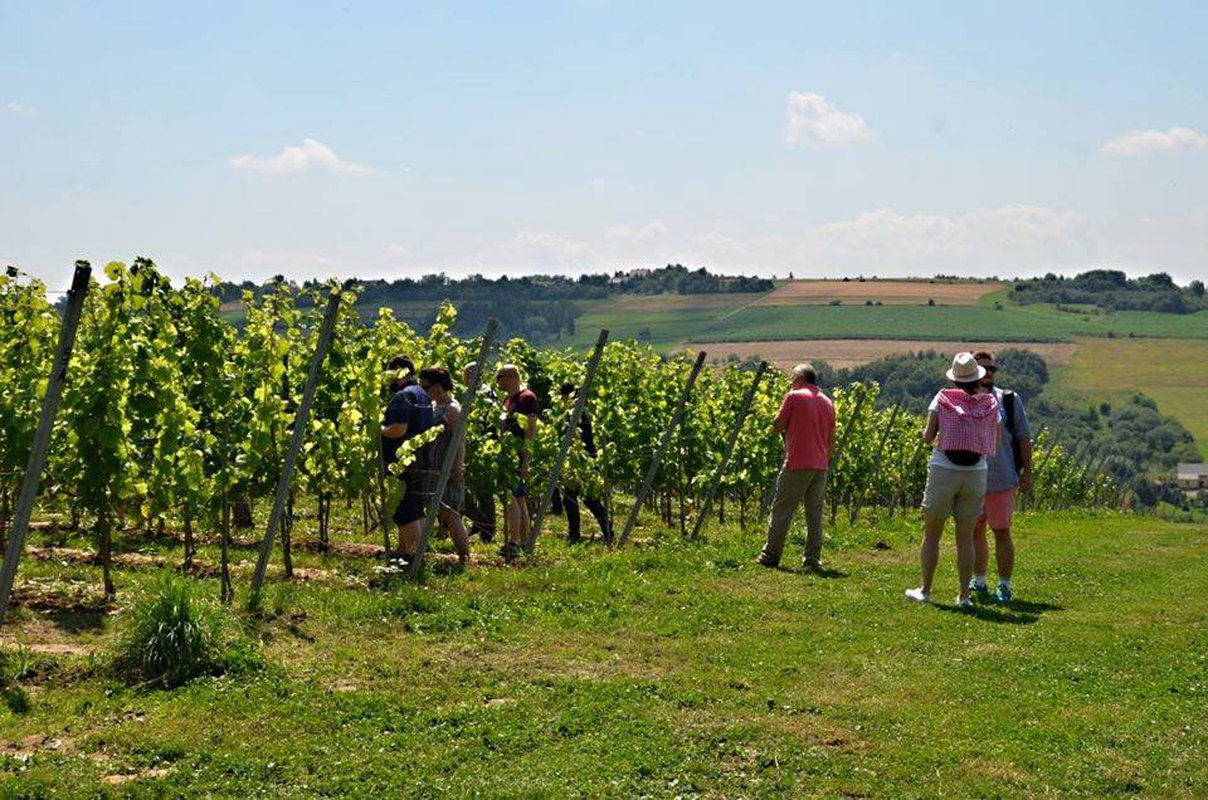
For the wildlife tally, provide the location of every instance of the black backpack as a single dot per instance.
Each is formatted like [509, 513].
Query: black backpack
[1008, 397]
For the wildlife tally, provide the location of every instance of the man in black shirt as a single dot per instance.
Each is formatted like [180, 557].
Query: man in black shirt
[570, 495]
[408, 415]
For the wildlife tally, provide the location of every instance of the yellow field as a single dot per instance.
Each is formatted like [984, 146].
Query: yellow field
[1174, 372]
[889, 292]
[853, 352]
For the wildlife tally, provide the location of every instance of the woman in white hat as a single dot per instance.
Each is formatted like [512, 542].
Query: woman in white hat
[962, 427]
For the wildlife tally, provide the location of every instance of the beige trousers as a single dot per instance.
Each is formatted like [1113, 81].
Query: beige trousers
[793, 487]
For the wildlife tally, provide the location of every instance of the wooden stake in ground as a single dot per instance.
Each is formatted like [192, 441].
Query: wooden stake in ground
[301, 421]
[720, 472]
[572, 430]
[854, 511]
[664, 442]
[41, 443]
[838, 450]
[455, 440]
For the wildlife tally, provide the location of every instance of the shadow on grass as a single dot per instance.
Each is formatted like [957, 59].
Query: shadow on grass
[826, 572]
[1016, 612]
[76, 621]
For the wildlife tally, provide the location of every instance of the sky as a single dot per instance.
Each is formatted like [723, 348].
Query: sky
[392, 139]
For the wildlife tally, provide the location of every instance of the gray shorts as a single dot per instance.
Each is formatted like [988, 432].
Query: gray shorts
[954, 493]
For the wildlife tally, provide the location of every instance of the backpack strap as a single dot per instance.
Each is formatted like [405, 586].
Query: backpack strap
[1008, 398]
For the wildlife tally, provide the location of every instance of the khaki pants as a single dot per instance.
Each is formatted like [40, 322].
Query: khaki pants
[792, 487]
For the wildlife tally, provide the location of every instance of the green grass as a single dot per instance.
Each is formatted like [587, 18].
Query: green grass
[1174, 372]
[970, 323]
[674, 669]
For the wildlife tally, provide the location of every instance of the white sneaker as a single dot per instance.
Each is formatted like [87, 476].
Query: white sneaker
[964, 602]
[918, 595]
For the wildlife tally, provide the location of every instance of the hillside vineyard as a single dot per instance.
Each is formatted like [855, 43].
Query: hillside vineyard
[172, 416]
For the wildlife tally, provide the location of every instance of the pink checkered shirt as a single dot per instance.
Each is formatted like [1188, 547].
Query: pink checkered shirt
[967, 421]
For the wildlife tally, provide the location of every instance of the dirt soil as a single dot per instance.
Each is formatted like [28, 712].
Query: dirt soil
[841, 353]
[799, 293]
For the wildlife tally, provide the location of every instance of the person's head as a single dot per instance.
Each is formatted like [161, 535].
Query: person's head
[467, 374]
[966, 373]
[401, 370]
[568, 392]
[804, 375]
[986, 360]
[507, 378]
[437, 382]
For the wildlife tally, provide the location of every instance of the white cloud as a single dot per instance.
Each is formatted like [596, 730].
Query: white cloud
[1147, 142]
[310, 155]
[813, 121]
[641, 233]
[19, 110]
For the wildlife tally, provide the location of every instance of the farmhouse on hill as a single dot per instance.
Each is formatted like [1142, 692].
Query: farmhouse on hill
[1192, 477]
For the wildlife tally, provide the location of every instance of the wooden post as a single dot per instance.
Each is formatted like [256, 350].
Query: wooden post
[838, 449]
[572, 430]
[301, 421]
[854, 511]
[37, 454]
[664, 443]
[458, 435]
[729, 451]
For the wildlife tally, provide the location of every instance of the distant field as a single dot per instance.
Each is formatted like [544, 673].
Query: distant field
[797, 293]
[843, 353]
[1174, 372]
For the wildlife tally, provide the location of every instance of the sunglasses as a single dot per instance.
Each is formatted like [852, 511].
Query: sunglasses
[991, 370]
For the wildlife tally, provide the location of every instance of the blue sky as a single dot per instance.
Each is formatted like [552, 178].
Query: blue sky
[388, 139]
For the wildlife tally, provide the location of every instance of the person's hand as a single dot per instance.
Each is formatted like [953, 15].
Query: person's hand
[1025, 480]
[524, 472]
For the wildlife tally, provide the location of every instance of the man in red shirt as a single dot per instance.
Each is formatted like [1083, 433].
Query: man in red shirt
[807, 420]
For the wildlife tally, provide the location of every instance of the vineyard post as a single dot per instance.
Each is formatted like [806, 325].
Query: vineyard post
[838, 449]
[1040, 469]
[720, 472]
[568, 436]
[41, 443]
[301, 421]
[455, 439]
[1024, 496]
[914, 456]
[854, 511]
[664, 442]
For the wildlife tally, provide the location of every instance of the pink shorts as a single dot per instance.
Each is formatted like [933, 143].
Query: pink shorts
[998, 510]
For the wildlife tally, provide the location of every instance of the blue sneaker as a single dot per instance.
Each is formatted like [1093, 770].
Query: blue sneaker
[1003, 595]
[983, 591]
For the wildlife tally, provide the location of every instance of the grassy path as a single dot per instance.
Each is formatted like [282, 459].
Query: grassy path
[678, 670]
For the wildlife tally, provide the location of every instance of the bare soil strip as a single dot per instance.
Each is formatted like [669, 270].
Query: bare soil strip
[798, 293]
[842, 353]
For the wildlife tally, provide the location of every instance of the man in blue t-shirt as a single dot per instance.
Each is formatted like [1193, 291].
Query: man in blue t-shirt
[1009, 470]
[408, 415]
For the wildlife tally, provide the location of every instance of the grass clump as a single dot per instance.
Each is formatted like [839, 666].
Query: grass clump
[173, 637]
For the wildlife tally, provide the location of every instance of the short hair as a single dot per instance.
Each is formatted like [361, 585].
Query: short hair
[402, 362]
[969, 386]
[569, 388]
[438, 376]
[508, 371]
[805, 372]
[983, 355]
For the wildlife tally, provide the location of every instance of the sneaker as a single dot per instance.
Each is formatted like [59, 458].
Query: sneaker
[979, 586]
[511, 551]
[918, 595]
[964, 602]
[1003, 595]
[811, 565]
[764, 563]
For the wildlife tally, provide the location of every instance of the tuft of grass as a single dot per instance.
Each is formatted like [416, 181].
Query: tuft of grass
[173, 637]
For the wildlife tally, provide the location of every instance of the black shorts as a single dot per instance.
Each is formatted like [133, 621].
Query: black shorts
[416, 491]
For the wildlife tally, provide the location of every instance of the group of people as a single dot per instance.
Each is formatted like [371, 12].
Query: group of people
[981, 456]
[424, 399]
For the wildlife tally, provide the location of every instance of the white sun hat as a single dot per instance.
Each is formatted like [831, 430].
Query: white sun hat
[965, 369]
